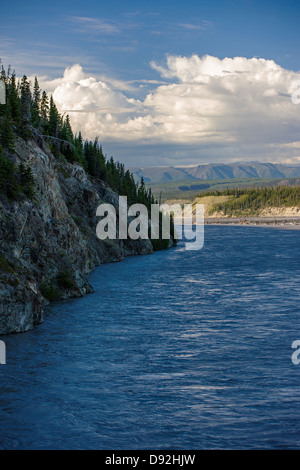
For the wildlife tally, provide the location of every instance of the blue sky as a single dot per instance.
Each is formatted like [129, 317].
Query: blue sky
[127, 35]
[125, 44]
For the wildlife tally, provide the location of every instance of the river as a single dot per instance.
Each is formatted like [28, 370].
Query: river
[177, 350]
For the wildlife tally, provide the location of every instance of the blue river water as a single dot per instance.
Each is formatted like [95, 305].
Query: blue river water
[177, 350]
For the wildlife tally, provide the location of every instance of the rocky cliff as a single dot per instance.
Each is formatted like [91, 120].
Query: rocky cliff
[48, 244]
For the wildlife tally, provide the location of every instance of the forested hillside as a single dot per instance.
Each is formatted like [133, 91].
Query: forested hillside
[30, 114]
[253, 201]
[51, 184]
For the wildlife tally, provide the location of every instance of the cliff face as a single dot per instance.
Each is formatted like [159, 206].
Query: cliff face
[48, 245]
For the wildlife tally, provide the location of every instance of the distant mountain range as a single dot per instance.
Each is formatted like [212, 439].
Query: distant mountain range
[216, 171]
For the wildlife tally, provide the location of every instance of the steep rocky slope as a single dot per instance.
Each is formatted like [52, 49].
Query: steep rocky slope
[48, 245]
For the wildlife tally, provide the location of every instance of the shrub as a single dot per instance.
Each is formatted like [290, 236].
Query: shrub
[49, 291]
[64, 280]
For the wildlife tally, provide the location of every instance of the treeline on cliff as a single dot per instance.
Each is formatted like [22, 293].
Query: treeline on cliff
[254, 200]
[30, 114]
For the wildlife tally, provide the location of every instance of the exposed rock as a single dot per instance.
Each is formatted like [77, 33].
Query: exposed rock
[280, 212]
[49, 245]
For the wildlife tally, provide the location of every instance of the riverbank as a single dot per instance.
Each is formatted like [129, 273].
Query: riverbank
[278, 222]
[48, 244]
[292, 223]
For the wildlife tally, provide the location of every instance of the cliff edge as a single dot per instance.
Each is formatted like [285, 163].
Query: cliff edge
[48, 244]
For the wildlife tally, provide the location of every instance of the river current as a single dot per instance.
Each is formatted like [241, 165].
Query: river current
[177, 350]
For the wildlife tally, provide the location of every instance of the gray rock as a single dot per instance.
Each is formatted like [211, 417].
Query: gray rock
[49, 245]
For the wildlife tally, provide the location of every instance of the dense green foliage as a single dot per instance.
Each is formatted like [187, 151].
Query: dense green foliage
[29, 114]
[65, 280]
[50, 291]
[252, 201]
[15, 182]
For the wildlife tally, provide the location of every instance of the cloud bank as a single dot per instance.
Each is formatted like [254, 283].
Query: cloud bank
[208, 109]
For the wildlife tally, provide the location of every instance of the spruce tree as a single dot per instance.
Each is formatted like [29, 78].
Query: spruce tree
[25, 126]
[7, 137]
[14, 100]
[54, 119]
[30, 183]
[44, 113]
[36, 105]
[4, 173]
[8, 182]
[79, 151]
[26, 180]
[67, 129]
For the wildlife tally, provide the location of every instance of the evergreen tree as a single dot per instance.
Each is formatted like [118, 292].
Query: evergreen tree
[54, 119]
[67, 147]
[24, 111]
[36, 104]
[12, 96]
[95, 159]
[67, 129]
[79, 151]
[29, 188]
[44, 112]
[26, 180]
[25, 125]
[8, 182]
[7, 137]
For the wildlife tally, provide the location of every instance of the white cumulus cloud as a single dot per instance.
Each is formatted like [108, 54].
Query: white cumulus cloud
[242, 106]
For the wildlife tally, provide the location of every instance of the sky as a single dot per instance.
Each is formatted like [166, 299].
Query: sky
[166, 82]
